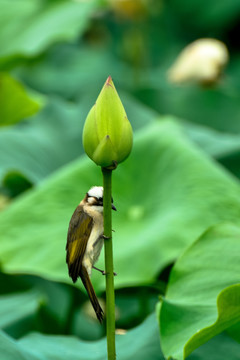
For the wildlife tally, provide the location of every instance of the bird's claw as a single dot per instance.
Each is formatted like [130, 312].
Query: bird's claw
[106, 237]
[104, 273]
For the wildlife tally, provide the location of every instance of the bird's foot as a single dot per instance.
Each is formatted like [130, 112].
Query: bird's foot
[103, 271]
[106, 237]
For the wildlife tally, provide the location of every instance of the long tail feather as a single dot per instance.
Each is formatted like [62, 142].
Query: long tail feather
[91, 293]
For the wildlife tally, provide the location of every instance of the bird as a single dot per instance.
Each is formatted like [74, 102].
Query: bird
[85, 240]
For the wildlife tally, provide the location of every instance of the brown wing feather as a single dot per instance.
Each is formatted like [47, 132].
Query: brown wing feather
[78, 233]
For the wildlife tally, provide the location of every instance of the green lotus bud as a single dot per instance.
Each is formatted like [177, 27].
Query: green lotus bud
[107, 133]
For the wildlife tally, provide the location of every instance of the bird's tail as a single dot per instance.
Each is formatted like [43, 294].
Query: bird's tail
[91, 293]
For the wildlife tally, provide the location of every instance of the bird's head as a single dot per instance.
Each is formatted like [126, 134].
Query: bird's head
[94, 197]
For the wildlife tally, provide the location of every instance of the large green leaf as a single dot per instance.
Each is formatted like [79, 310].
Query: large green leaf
[225, 147]
[203, 293]
[15, 104]
[41, 145]
[141, 343]
[218, 144]
[29, 27]
[228, 314]
[218, 348]
[14, 307]
[167, 193]
[30, 303]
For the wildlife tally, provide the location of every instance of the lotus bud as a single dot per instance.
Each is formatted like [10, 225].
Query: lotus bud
[107, 133]
[202, 62]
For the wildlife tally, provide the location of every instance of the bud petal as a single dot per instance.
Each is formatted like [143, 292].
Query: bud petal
[107, 133]
[104, 152]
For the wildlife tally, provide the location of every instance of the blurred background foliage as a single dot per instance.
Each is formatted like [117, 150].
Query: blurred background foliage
[176, 240]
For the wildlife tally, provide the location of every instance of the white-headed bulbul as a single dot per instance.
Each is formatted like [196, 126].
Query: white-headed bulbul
[85, 240]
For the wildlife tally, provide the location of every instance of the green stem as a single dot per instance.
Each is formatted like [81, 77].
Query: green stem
[110, 297]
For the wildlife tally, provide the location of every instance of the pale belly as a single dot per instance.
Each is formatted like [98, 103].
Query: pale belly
[93, 250]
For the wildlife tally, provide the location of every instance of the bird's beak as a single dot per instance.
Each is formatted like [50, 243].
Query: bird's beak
[113, 207]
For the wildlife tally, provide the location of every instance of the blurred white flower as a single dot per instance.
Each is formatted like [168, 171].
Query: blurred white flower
[202, 62]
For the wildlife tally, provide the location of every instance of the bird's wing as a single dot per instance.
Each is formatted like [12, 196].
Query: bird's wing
[78, 233]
